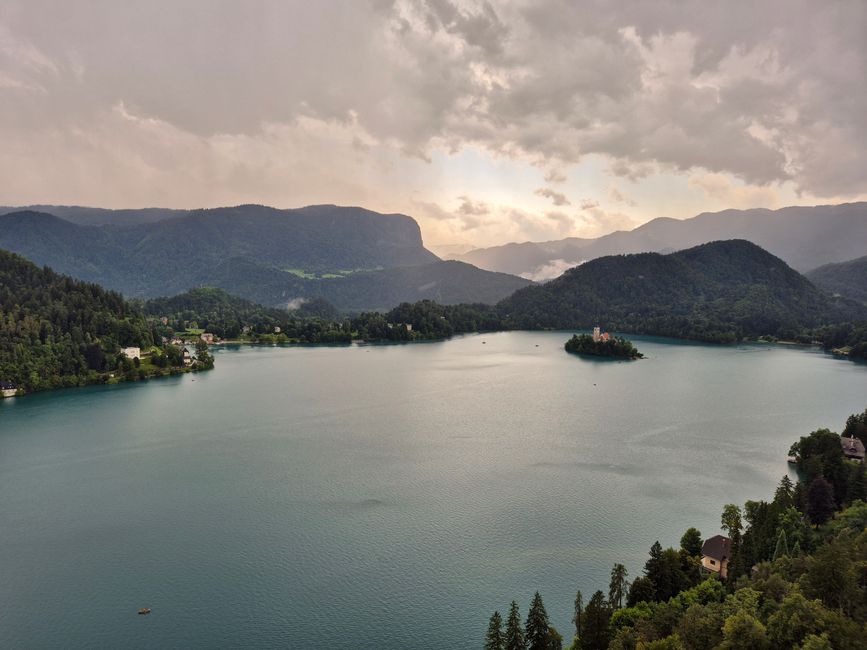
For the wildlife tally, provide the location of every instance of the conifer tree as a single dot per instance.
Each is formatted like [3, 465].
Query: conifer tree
[618, 586]
[494, 638]
[537, 625]
[782, 547]
[597, 617]
[820, 501]
[514, 632]
[577, 613]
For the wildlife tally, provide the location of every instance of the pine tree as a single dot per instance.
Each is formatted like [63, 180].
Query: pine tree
[494, 638]
[783, 495]
[514, 632]
[782, 547]
[597, 617]
[577, 613]
[537, 625]
[618, 586]
[820, 501]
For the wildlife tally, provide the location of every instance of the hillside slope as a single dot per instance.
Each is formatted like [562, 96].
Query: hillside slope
[804, 237]
[718, 291]
[847, 279]
[445, 282]
[56, 331]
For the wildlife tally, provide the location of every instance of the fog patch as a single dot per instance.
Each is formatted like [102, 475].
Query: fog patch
[296, 303]
[550, 270]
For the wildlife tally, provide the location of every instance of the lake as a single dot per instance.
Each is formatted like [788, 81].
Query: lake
[381, 496]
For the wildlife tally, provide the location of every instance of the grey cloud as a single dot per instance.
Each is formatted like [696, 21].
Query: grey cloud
[557, 198]
[766, 92]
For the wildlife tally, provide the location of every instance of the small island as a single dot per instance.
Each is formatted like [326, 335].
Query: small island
[602, 344]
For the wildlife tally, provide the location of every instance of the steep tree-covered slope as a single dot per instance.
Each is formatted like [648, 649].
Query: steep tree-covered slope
[56, 331]
[718, 291]
[846, 278]
[145, 259]
[804, 237]
[356, 259]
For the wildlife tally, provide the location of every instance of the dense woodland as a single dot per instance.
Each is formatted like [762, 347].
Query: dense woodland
[720, 292]
[615, 347]
[57, 332]
[797, 576]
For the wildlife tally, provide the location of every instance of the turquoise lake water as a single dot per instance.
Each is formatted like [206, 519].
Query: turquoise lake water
[381, 496]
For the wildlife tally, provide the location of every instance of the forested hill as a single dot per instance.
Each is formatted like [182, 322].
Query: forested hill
[56, 331]
[847, 279]
[356, 259]
[171, 255]
[721, 291]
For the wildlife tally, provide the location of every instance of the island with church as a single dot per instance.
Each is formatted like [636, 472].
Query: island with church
[602, 344]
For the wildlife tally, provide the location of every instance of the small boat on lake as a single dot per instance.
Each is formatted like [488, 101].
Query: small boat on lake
[144, 611]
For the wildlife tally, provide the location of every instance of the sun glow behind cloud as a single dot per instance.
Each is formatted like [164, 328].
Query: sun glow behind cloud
[488, 123]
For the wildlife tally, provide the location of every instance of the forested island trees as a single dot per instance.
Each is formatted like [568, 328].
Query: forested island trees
[795, 574]
[615, 347]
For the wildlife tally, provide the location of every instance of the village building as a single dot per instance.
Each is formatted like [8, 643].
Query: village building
[715, 555]
[8, 389]
[131, 352]
[277, 329]
[246, 329]
[853, 449]
[164, 320]
[207, 337]
[188, 358]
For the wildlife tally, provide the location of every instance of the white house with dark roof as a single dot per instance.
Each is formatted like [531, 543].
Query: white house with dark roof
[8, 389]
[715, 555]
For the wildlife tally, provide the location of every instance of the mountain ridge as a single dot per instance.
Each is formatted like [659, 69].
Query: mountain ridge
[355, 258]
[806, 237]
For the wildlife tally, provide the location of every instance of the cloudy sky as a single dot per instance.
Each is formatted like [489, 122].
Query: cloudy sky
[487, 121]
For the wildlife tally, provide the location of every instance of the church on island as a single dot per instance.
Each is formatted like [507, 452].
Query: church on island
[599, 336]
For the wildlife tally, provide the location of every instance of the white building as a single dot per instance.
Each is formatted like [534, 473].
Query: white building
[8, 389]
[597, 334]
[131, 353]
[207, 337]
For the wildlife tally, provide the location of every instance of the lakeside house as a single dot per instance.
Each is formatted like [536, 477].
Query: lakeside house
[599, 336]
[277, 329]
[131, 352]
[207, 337]
[246, 329]
[8, 389]
[715, 555]
[188, 358]
[853, 448]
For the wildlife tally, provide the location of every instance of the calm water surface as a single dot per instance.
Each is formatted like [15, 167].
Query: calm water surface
[381, 496]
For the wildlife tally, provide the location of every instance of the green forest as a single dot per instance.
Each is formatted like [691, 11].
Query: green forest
[797, 575]
[57, 332]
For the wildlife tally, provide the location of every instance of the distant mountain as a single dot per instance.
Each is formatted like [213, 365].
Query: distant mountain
[718, 291]
[804, 237]
[100, 216]
[355, 258]
[846, 278]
